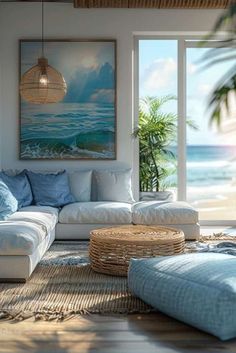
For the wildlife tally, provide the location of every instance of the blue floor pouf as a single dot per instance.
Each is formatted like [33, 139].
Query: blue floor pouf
[198, 289]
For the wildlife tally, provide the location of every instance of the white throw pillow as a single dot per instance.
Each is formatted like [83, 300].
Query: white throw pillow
[80, 185]
[114, 186]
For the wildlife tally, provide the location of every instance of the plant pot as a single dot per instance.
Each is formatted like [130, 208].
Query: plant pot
[167, 195]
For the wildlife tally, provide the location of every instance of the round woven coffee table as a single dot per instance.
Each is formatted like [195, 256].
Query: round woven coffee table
[111, 249]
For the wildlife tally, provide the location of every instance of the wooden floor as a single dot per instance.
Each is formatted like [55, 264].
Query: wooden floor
[147, 333]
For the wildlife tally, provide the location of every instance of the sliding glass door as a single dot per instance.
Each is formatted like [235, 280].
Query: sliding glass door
[205, 155]
[211, 151]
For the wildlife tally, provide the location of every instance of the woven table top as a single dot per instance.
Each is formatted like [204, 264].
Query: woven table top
[137, 234]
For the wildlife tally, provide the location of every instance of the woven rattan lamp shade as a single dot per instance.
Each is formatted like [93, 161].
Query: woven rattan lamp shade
[42, 84]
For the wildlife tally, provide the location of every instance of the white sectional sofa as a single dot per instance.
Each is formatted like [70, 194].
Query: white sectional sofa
[78, 219]
[28, 233]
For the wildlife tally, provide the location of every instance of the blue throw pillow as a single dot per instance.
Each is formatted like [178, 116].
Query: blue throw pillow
[8, 203]
[19, 187]
[50, 189]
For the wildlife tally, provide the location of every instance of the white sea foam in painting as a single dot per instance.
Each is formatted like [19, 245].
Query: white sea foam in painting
[69, 130]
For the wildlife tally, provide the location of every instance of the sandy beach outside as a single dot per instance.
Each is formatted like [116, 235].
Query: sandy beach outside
[216, 202]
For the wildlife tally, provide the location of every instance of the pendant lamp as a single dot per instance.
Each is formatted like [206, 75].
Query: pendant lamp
[42, 84]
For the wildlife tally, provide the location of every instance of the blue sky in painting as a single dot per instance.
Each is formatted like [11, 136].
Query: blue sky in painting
[158, 77]
[88, 68]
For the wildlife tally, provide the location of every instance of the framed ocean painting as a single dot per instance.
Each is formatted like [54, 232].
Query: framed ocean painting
[83, 125]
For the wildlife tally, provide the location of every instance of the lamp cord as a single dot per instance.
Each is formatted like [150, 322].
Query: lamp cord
[42, 28]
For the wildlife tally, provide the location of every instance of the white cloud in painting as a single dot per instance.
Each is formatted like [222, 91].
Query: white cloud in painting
[160, 74]
[69, 57]
[103, 96]
[88, 67]
[72, 57]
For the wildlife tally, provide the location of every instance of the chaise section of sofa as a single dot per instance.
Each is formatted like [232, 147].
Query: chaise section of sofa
[24, 238]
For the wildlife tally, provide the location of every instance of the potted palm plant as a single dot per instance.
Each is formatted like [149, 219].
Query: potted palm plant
[157, 133]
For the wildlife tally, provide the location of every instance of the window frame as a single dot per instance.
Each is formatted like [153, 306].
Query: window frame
[183, 43]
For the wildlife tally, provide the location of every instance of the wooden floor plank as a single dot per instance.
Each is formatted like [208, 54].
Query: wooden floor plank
[149, 333]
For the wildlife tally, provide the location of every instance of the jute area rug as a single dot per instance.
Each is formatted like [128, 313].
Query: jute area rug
[63, 285]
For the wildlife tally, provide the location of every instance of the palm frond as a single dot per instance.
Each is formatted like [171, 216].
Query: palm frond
[219, 99]
[192, 124]
[225, 22]
[219, 60]
[156, 131]
[220, 95]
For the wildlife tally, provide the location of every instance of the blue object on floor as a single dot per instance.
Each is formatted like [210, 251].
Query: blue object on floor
[198, 289]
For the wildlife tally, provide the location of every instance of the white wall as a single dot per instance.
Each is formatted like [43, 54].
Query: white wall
[1, 115]
[1, 102]
[22, 20]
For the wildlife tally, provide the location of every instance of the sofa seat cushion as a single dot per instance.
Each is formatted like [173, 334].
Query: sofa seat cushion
[96, 212]
[199, 289]
[163, 212]
[24, 230]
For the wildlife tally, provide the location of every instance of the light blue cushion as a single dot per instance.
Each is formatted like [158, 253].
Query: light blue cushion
[19, 187]
[50, 189]
[114, 185]
[199, 289]
[8, 203]
[80, 185]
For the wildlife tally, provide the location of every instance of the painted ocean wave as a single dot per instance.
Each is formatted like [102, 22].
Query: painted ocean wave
[68, 130]
[63, 131]
[99, 145]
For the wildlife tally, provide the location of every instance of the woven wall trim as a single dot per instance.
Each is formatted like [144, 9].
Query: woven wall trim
[158, 4]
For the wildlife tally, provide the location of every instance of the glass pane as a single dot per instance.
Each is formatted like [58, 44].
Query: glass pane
[211, 154]
[158, 120]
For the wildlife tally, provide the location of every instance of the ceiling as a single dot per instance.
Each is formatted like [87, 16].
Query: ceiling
[158, 4]
[67, 1]
[154, 4]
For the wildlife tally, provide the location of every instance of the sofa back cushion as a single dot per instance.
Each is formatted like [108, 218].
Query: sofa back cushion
[20, 188]
[80, 185]
[114, 185]
[8, 203]
[50, 189]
